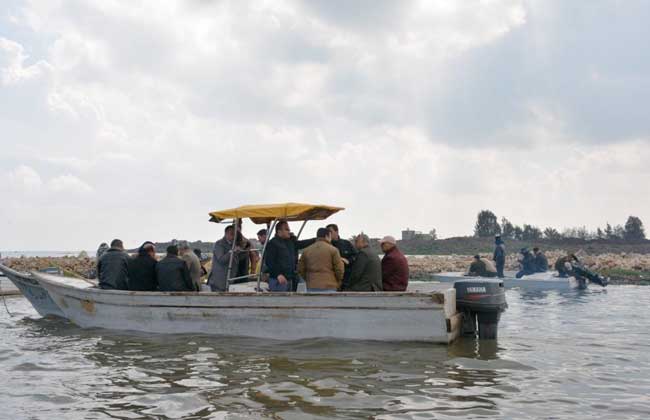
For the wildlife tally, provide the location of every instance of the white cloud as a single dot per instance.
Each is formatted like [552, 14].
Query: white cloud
[412, 113]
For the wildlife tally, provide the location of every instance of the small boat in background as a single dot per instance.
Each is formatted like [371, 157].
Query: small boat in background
[533, 282]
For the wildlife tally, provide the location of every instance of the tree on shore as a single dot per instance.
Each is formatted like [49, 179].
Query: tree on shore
[486, 225]
[552, 234]
[634, 229]
[531, 233]
[507, 229]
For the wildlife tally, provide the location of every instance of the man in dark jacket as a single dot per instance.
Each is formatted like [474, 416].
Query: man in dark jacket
[527, 264]
[499, 255]
[142, 269]
[347, 251]
[394, 266]
[172, 273]
[541, 263]
[481, 267]
[365, 274]
[112, 268]
[281, 258]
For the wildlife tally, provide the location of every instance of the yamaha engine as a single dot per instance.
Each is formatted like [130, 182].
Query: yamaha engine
[481, 302]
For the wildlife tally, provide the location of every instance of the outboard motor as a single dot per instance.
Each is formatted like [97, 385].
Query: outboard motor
[482, 302]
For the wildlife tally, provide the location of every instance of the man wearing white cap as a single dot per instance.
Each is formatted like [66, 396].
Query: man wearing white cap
[394, 266]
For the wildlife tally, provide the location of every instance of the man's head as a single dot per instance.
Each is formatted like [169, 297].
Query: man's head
[229, 233]
[117, 244]
[535, 250]
[172, 250]
[198, 253]
[334, 230]
[524, 251]
[324, 234]
[477, 257]
[184, 247]
[261, 236]
[282, 230]
[387, 243]
[497, 239]
[147, 248]
[361, 241]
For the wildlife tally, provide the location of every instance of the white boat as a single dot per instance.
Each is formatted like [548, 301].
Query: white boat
[386, 316]
[29, 286]
[534, 282]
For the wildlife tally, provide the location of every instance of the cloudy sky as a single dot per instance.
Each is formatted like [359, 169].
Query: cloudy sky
[135, 119]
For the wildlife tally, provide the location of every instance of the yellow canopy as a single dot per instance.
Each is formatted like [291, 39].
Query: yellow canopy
[266, 213]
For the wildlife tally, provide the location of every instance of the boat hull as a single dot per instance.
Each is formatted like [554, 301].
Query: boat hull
[284, 316]
[533, 282]
[33, 291]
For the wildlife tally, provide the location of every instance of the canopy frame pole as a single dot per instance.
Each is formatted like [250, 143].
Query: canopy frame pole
[304, 222]
[268, 236]
[232, 254]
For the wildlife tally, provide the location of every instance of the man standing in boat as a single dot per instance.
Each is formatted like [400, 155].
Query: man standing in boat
[347, 251]
[281, 258]
[321, 265]
[221, 260]
[394, 266]
[499, 256]
[112, 267]
[365, 274]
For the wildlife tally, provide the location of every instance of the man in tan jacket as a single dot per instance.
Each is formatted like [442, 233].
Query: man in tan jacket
[321, 265]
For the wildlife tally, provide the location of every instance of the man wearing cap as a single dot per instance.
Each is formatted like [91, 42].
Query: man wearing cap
[394, 266]
[527, 263]
[365, 274]
[481, 267]
[193, 263]
[172, 273]
[142, 269]
[321, 265]
[499, 256]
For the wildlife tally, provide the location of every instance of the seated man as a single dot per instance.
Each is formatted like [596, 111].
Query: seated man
[321, 265]
[173, 274]
[142, 269]
[563, 265]
[541, 263]
[527, 264]
[193, 263]
[365, 274]
[481, 267]
[394, 266]
[112, 270]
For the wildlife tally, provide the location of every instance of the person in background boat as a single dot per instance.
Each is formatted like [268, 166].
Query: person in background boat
[281, 258]
[221, 259]
[112, 268]
[481, 267]
[563, 265]
[499, 256]
[527, 264]
[541, 263]
[321, 265]
[172, 273]
[346, 249]
[193, 263]
[199, 255]
[261, 238]
[365, 273]
[245, 258]
[142, 269]
[103, 247]
[394, 266]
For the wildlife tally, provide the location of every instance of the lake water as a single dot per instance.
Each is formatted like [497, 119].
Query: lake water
[582, 355]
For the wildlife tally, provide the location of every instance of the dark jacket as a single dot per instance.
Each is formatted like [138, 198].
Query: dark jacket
[173, 275]
[281, 256]
[394, 271]
[499, 253]
[112, 269]
[541, 263]
[142, 273]
[220, 261]
[349, 252]
[365, 274]
[482, 268]
[528, 263]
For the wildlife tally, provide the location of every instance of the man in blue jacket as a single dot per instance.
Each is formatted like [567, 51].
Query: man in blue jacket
[499, 255]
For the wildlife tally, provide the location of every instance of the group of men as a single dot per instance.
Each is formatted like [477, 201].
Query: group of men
[328, 263]
[179, 270]
[531, 263]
